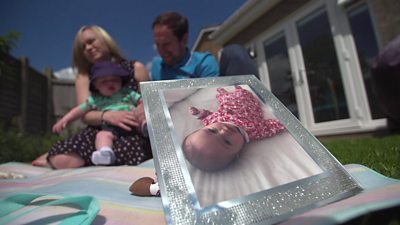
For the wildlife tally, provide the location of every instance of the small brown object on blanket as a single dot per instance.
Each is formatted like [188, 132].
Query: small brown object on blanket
[141, 187]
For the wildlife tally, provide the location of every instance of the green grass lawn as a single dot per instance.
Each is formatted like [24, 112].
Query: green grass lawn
[23, 148]
[379, 154]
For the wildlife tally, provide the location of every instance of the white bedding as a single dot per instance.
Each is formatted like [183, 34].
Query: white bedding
[262, 165]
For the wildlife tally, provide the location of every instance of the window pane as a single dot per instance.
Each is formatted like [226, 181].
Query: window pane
[322, 69]
[367, 49]
[280, 73]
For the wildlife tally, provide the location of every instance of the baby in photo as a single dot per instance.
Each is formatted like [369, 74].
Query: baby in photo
[237, 121]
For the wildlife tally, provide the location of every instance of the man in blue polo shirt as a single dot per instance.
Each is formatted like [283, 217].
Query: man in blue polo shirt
[170, 32]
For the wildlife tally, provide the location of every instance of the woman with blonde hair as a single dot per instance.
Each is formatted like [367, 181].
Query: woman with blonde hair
[93, 44]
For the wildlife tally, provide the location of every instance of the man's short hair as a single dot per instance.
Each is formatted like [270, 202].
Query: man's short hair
[174, 21]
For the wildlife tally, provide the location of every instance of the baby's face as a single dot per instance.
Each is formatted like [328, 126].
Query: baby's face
[214, 146]
[108, 85]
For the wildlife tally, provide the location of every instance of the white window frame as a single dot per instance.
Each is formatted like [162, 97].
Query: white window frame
[360, 119]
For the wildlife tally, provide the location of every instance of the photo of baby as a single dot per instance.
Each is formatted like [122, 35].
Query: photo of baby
[233, 144]
[237, 121]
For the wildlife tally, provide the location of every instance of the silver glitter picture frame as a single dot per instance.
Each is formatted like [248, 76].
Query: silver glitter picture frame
[180, 199]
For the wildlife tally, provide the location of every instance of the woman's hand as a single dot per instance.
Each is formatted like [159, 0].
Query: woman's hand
[139, 113]
[124, 119]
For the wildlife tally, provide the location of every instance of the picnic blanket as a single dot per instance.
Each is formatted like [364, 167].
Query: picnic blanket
[109, 185]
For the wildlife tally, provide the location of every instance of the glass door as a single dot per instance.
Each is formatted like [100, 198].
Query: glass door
[317, 73]
[314, 68]
[323, 76]
[367, 48]
[279, 70]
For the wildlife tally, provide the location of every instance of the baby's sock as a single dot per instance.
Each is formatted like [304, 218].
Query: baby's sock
[103, 156]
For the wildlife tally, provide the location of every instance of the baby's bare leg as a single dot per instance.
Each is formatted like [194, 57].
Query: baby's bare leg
[104, 139]
[104, 154]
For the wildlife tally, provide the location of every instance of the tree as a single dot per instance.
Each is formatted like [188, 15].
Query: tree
[9, 41]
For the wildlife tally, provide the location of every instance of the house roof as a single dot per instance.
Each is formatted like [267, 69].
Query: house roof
[202, 32]
[241, 18]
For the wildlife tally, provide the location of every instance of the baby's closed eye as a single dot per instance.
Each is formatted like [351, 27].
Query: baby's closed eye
[227, 142]
[212, 130]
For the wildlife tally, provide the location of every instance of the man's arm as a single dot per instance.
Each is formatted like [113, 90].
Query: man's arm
[155, 73]
[209, 66]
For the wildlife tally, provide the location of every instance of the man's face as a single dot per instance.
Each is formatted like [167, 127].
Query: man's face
[168, 46]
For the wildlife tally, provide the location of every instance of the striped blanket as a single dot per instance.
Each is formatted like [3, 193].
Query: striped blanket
[109, 185]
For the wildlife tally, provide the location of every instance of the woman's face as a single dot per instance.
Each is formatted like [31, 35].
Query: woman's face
[94, 48]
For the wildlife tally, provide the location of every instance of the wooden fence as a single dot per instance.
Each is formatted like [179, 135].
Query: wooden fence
[26, 96]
